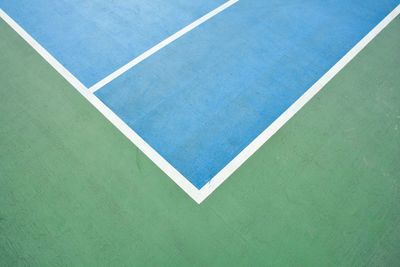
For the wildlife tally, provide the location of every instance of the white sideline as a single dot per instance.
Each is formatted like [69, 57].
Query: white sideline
[160, 45]
[246, 153]
[217, 180]
[178, 178]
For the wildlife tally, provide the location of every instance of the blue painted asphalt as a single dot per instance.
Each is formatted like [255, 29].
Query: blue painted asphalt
[202, 99]
[93, 38]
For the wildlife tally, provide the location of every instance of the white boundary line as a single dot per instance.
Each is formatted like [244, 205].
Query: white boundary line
[232, 166]
[178, 178]
[43, 52]
[161, 45]
[217, 180]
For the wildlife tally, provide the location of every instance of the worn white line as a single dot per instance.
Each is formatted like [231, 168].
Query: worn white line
[161, 45]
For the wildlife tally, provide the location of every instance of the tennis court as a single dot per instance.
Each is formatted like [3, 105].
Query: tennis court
[201, 106]
[202, 88]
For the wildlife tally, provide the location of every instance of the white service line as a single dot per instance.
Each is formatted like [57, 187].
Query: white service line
[160, 45]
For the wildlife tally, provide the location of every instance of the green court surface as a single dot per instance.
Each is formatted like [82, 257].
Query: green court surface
[324, 191]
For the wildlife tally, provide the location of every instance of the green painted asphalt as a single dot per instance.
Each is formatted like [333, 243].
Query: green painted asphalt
[324, 191]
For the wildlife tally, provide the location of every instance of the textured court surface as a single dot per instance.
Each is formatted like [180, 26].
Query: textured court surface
[94, 38]
[204, 98]
[237, 75]
[324, 191]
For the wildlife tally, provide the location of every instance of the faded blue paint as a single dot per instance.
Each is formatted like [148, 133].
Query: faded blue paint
[93, 38]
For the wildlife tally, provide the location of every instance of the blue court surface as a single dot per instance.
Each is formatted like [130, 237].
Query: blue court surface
[203, 98]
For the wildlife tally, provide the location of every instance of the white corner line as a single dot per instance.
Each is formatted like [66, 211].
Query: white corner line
[160, 45]
[200, 195]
